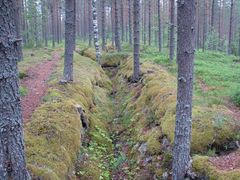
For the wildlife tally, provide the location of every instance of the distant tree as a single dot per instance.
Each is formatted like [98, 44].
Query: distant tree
[230, 29]
[159, 26]
[90, 27]
[185, 58]
[117, 26]
[172, 31]
[130, 20]
[149, 22]
[69, 40]
[12, 156]
[136, 30]
[103, 24]
[95, 31]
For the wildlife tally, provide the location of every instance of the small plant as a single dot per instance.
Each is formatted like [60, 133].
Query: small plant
[236, 97]
[22, 75]
[23, 91]
[211, 152]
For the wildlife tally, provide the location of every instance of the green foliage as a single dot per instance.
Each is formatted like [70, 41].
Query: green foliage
[235, 96]
[22, 75]
[23, 91]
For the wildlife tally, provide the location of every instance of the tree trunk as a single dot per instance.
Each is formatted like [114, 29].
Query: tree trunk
[103, 26]
[172, 29]
[122, 19]
[159, 26]
[185, 59]
[149, 22]
[53, 25]
[95, 31]
[136, 30]
[18, 22]
[239, 42]
[117, 27]
[230, 30]
[204, 25]
[89, 23]
[69, 40]
[145, 24]
[12, 157]
[113, 21]
[44, 22]
[130, 21]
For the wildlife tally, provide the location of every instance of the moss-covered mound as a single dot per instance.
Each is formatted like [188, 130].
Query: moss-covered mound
[148, 118]
[53, 135]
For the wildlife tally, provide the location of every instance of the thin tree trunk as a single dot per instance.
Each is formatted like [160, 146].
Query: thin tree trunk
[159, 26]
[69, 40]
[149, 22]
[113, 21]
[230, 29]
[12, 156]
[44, 22]
[239, 42]
[136, 29]
[172, 34]
[103, 26]
[204, 25]
[185, 59]
[95, 31]
[117, 27]
[145, 24]
[90, 23]
[122, 19]
[130, 21]
[53, 26]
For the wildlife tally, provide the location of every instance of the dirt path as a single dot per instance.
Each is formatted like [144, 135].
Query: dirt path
[36, 85]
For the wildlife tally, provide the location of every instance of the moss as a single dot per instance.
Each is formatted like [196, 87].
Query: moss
[202, 166]
[53, 135]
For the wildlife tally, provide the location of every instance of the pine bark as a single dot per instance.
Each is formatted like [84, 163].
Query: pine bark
[159, 25]
[44, 22]
[230, 29]
[185, 59]
[149, 22]
[130, 21]
[12, 158]
[172, 30]
[136, 30]
[90, 23]
[103, 26]
[122, 20]
[117, 26]
[69, 40]
[204, 25]
[95, 31]
[145, 24]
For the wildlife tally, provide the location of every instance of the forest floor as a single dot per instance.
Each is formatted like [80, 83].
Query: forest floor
[36, 84]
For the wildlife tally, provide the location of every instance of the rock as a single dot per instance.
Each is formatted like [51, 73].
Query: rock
[143, 149]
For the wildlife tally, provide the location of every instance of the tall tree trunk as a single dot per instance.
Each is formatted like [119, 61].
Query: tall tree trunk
[149, 22]
[53, 23]
[130, 21]
[103, 26]
[185, 59]
[172, 30]
[69, 40]
[12, 157]
[90, 23]
[239, 42]
[113, 21]
[95, 30]
[159, 26]
[122, 19]
[204, 25]
[213, 13]
[117, 26]
[230, 29]
[44, 22]
[136, 30]
[145, 23]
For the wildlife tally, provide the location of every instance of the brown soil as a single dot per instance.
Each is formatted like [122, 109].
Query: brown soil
[36, 84]
[227, 162]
